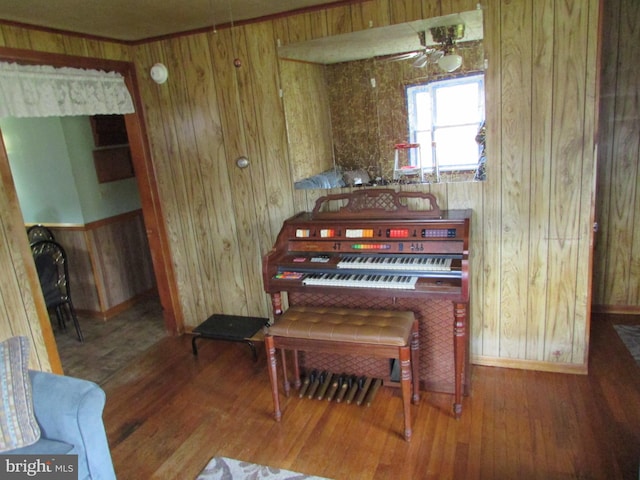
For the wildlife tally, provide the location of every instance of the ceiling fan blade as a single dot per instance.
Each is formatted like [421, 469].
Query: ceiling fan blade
[421, 62]
[421, 58]
[435, 55]
[403, 56]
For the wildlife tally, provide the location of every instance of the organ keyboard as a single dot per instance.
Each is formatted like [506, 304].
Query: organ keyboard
[402, 263]
[381, 248]
[361, 280]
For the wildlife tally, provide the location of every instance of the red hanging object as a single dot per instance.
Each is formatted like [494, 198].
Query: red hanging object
[401, 146]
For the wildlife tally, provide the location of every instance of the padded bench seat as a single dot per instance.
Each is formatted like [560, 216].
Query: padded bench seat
[377, 333]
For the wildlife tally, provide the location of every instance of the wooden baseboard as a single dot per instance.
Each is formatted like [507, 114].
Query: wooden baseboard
[616, 309]
[552, 367]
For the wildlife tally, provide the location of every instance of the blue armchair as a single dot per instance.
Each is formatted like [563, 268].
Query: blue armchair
[69, 412]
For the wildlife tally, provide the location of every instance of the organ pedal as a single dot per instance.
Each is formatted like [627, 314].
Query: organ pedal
[338, 387]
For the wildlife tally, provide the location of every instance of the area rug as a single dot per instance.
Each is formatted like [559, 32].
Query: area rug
[222, 468]
[630, 335]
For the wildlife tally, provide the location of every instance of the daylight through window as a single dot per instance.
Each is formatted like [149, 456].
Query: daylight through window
[445, 117]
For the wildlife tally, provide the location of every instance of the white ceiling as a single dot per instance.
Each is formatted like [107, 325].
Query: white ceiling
[133, 20]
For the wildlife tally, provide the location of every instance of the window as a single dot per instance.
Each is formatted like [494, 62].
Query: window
[444, 118]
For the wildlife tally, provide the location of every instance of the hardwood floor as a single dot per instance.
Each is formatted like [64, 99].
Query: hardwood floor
[110, 344]
[169, 412]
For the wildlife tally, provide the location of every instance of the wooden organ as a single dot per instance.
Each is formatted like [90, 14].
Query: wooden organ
[381, 249]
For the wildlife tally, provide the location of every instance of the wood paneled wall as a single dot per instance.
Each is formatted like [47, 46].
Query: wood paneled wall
[82, 278]
[109, 263]
[121, 261]
[532, 217]
[309, 129]
[617, 248]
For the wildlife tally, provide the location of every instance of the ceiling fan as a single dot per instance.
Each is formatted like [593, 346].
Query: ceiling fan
[444, 54]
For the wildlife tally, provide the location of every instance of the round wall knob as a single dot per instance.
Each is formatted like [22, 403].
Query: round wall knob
[242, 162]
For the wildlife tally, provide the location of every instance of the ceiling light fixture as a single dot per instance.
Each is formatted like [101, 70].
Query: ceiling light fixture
[447, 36]
[159, 73]
[426, 56]
[450, 62]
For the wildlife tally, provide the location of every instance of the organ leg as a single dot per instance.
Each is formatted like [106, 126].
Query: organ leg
[276, 303]
[273, 375]
[405, 385]
[415, 362]
[285, 376]
[296, 370]
[460, 351]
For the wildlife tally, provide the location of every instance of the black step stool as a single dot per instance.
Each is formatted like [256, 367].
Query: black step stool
[231, 328]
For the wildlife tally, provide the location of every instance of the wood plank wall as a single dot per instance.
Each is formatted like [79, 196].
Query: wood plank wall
[617, 248]
[82, 278]
[121, 260]
[532, 218]
[109, 263]
[309, 129]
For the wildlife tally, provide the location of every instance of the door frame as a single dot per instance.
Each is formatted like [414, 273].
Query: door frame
[144, 171]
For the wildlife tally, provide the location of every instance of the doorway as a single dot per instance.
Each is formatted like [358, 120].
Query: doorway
[145, 179]
[97, 220]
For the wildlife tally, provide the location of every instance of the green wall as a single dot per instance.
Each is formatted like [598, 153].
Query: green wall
[52, 166]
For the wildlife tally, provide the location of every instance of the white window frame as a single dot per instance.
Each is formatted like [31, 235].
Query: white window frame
[429, 152]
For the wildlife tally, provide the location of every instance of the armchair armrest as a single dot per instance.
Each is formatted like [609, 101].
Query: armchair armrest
[70, 409]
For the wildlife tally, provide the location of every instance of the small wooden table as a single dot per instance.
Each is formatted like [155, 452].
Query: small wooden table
[230, 328]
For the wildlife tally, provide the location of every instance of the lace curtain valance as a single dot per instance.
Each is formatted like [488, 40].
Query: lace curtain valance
[45, 91]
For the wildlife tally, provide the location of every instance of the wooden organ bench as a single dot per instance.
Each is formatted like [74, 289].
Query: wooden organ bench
[377, 333]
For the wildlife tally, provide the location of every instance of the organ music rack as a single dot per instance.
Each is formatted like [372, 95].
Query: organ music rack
[381, 249]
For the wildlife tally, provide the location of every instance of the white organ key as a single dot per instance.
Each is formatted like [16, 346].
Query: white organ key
[396, 263]
[362, 281]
